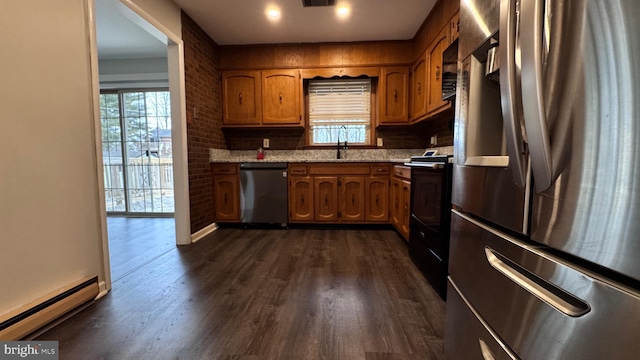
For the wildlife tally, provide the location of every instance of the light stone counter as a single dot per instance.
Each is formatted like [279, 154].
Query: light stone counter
[350, 155]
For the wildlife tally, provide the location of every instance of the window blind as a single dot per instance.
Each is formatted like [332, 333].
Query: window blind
[340, 104]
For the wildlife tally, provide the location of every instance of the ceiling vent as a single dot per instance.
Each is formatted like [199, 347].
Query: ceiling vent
[308, 3]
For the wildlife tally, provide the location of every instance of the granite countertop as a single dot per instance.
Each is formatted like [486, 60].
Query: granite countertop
[315, 156]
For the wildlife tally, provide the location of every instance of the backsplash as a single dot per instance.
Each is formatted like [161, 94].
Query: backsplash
[395, 137]
[353, 155]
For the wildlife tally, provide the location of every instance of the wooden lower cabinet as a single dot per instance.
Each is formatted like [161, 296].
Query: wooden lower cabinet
[339, 193]
[301, 198]
[226, 192]
[406, 208]
[401, 199]
[325, 198]
[377, 197]
[396, 202]
[352, 198]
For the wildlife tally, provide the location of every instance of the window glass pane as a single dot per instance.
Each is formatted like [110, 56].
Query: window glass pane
[340, 110]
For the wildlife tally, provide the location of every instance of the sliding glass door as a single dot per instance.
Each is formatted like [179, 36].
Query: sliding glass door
[136, 151]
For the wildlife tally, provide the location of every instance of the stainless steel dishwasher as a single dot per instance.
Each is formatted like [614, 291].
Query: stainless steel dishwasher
[263, 188]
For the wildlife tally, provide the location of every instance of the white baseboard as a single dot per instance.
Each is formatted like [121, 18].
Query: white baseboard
[102, 286]
[203, 232]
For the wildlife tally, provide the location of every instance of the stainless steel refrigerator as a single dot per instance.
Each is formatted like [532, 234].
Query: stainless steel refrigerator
[545, 227]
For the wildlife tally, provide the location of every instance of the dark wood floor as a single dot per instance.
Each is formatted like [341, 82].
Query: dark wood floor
[134, 242]
[266, 294]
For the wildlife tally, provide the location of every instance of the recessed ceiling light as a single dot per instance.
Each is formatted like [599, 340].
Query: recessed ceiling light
[273, 13]
[343, 11]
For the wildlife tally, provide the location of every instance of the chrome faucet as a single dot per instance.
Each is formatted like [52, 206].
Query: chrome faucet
[345, 141]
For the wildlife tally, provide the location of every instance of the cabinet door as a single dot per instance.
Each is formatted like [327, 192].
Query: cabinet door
[241, 94]
[300, 198]
[406, 208]
[419, 88]
[396, 202]
[454, 27]
[281, 97]
[394, 99]
[377, 197]
[326, 198]
[352, 198]
[435, 102]
[225, 191]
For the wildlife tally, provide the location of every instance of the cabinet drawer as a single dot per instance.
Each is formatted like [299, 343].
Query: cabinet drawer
[380, 169]
[467, 335]
[297, 169]
[339, 169]
[542, 306]
[225, 169]
[402, 171]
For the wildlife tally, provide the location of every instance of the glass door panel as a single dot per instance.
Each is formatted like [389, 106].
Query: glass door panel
[144, 142]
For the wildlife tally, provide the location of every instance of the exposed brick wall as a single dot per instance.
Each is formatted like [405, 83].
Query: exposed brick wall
[204, 113]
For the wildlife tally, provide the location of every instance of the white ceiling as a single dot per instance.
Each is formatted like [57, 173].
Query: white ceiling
[119, 37]
[237, 22]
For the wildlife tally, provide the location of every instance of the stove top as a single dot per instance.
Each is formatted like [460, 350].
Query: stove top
[431, 159]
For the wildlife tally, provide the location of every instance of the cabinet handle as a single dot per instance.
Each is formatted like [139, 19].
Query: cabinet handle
[379, 170]
[437, 72]
[280, 97]
[419, 88]
[395, 95]
[240, 98]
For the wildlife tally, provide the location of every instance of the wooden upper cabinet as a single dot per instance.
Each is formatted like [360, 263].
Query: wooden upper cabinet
[450, 8]
[241, 98]
[281, 93]
[434, 52]
[454, 27]
[394, 100]
[419, 87]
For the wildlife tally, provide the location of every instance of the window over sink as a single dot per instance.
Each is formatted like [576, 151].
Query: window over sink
[339, 111]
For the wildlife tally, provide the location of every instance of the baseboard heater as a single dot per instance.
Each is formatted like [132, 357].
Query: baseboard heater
[21, 322]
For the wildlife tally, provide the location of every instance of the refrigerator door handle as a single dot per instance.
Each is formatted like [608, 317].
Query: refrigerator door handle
[534, 108]
[511, 98]
[551, 294]
[485, 351]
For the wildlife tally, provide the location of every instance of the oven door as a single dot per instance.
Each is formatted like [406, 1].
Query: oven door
[429, 224]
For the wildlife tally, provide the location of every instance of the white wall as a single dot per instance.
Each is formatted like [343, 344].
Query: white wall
[133, 73]
[50, 225]
[165, 16]
[166, 12]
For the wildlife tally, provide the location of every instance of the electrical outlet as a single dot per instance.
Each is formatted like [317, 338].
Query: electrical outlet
[265, 143]
[379, 142]
[434, 140]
